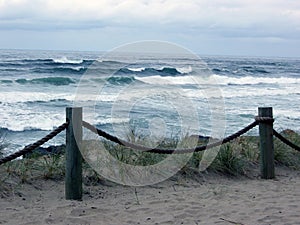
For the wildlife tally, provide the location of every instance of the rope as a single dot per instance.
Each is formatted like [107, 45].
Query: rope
[286, 141]
[115, 139]
[167, 151]
[261, 119]
[33, 146]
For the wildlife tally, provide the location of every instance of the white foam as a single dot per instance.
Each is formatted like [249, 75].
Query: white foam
[95, 97]
[78, 68]
[140, 69]
[182, 70]
[17, 117]
[66, 60]
[18, 96]
[229, 92]
[185, 70]
[217, 80]
[248, 80]
[158, 80]
[245, 92]
[114, 120]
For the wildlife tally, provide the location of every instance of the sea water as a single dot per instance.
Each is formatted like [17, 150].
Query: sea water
[154, 96]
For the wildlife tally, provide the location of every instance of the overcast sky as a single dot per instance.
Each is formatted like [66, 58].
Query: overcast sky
[207, 27]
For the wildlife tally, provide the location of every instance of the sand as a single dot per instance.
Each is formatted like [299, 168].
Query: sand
[210, 199]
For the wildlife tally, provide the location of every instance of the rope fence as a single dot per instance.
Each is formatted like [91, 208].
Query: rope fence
[227, 139]
[35, 145]
[170, 151]
[286, 141]
[74, 159]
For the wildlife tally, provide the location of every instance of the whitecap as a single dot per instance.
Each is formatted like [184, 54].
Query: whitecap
[184, 70]
[64, 59]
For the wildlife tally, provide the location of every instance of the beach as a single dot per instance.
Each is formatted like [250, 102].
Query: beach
[206, 198]
[149, 112]
[151, 99]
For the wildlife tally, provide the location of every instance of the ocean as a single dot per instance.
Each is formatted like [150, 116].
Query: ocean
[152, 95]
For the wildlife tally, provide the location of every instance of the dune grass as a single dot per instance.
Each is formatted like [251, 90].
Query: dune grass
[3, 144]
[285, 155]
[236, 158]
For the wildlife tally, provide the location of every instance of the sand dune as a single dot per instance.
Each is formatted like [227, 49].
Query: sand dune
[213, 199]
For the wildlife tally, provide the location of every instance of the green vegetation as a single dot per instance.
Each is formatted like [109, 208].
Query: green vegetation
[46, 167]
[2, 144]
[285, 155]
[229, 160]
[236, 158]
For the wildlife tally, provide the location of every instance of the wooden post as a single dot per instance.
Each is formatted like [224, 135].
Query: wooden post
[266, 144]
[73, 179]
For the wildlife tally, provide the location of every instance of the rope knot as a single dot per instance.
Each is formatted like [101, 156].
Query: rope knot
[262, 119]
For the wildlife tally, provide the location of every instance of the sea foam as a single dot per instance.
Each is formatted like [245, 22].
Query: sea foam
[65, 60]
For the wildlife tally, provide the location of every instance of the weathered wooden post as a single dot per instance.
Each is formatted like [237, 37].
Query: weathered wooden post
[73, 179]
[266, 144]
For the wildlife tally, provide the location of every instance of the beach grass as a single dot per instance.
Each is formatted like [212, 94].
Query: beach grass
[229, 160]
[3, 144]
[236, 158]
[45, 167]
[285, 155]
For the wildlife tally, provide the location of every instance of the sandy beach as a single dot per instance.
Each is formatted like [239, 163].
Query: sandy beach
[209, 199]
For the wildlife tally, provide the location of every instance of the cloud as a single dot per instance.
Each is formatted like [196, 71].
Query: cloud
[234, 13]
[193, 20]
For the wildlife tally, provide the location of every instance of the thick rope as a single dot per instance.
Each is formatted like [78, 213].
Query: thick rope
[33, 146]
[115, 139]
[167, 151]
[260, 119]
[286, 141]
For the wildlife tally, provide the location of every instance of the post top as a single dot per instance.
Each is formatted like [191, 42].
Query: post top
[267, 107]
[265, 111]
[73, 107]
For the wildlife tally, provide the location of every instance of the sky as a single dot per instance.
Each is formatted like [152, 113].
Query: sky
[207, 27]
